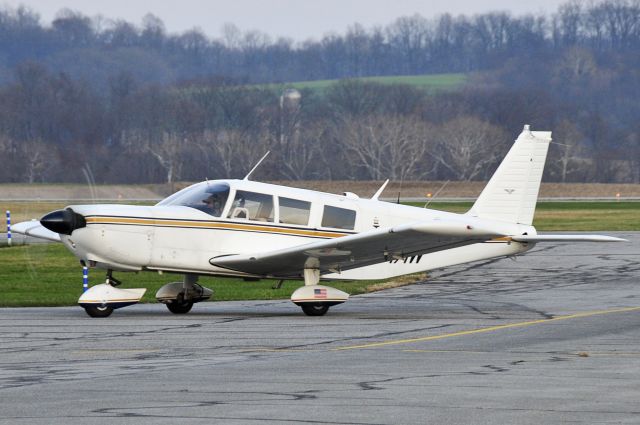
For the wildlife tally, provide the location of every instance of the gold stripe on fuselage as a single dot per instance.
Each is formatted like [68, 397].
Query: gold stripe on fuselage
[212, 225]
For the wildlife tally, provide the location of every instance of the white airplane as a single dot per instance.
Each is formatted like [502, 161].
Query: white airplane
[244, 228]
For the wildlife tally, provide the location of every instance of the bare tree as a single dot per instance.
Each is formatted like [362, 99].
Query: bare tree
[168, 152]
[235, 152]
[37, 157]
[468, 147]
[303, 152]
[566, 151]
[386, 146]
[634, 156]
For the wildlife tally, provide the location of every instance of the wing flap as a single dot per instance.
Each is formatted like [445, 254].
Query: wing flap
[359, 250]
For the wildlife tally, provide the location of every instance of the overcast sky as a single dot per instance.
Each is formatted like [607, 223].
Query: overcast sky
[296, 19]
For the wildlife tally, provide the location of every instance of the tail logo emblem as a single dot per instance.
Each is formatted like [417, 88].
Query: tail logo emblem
[509, 191]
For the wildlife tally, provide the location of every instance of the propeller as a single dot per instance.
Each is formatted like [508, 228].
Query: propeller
[63, 221]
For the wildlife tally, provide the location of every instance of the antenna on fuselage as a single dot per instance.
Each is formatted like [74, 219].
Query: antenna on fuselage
[400, 190]
[256, 166]
[379, 192]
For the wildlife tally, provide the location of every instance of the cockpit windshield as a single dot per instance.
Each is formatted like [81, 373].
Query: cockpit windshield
[207, 197]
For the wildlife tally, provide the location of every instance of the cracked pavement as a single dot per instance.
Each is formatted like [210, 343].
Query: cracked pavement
[551, 337]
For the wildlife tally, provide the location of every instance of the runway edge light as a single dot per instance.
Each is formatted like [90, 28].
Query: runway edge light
[85, 278]
[9, 227]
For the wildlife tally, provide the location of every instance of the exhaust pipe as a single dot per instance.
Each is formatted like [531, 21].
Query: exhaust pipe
[63, 221]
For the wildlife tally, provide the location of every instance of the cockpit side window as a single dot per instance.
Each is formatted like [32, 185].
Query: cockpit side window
[338, 218]
[252, 206]
[208, 198]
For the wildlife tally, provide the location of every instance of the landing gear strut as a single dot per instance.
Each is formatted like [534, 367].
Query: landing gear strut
[103, 310]
[314, 299]
[100, 300]
[180, 296]
[110, 280]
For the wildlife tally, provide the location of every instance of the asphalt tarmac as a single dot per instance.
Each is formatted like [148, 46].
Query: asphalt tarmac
[553, 337]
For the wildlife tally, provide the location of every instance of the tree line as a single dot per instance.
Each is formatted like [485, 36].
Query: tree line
[87, 98]
[97, 48]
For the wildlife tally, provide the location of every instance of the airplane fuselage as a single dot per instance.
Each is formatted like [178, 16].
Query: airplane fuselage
[254, 217]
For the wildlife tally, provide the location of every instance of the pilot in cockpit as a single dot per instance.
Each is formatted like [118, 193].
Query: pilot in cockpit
[215, 204]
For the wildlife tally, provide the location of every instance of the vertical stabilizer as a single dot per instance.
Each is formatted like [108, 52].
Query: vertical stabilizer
[512, 192]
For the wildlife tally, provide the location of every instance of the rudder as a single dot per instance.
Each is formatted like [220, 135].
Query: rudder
[512, 193]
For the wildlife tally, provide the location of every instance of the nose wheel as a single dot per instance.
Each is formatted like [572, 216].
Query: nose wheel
[100, 300]
[98, 310]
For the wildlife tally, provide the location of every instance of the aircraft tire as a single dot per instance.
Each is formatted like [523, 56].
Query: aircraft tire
[98, 310]
[315, 309]
[180, 308]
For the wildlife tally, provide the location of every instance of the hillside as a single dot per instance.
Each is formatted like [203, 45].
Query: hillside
[431, 82]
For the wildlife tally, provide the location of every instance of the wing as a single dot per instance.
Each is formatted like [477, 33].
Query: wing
[566, 238]
[36, 230]
[357, 250]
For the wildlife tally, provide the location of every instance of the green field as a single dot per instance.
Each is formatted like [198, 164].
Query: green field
[47, 274]
[432, 82]
[571, 215]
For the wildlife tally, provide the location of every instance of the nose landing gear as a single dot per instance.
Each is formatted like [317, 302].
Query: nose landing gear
[101, 300]
[98, 310]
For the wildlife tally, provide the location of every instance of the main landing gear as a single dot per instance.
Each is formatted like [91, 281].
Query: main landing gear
[315, 299]
[179, 297]
[314, 309]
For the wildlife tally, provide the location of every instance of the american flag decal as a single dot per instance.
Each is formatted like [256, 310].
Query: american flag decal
[320, 293]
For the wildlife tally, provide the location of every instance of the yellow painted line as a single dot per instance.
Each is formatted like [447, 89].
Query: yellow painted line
[211, 225]
[488, 329]
[612, 354]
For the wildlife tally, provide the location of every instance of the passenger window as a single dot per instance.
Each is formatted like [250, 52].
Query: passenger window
[252, 206]
[293, 211]
[338, 218]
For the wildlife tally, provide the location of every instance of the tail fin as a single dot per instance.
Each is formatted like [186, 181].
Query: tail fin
[512, 192]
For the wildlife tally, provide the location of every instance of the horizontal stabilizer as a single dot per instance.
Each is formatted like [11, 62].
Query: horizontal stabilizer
[566, 238]
[35, 229]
